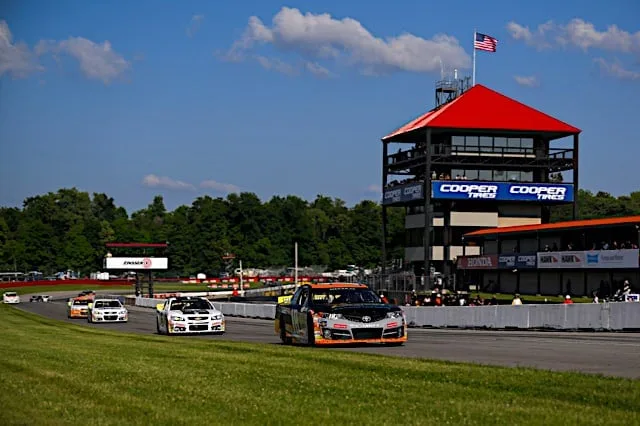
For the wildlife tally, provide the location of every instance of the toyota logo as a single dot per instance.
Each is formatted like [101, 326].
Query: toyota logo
[366, 319]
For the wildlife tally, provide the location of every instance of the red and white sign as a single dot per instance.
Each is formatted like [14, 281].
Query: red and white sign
[136, 263]
[489, 261]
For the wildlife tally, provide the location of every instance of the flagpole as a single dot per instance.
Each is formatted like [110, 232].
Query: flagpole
[474, 58]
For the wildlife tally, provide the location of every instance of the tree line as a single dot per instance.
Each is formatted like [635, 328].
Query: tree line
[68, 229]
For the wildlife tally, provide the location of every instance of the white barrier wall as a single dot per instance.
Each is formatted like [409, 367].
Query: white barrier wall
[578, 316]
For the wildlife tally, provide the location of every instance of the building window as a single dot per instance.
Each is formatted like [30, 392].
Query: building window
[485, 175]
[486, 144]
[500, 144]
[527, 143]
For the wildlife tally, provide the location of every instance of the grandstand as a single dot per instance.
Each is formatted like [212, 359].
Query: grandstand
[478, 160]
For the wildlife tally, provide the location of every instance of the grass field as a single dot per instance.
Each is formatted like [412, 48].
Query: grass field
[57, 373]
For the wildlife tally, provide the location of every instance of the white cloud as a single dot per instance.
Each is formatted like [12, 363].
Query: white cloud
[276, 64]
[98, 61]
[194, 25]
[15, 58]
[219, 186]
[615, 69]
[153, 181]
[529, 81]
[377, 189]
[317, 69]
[322, 37]
[536, 38]
[577, 33]
[584, 35]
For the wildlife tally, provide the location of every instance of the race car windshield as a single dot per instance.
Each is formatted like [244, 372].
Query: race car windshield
[80, 302]
[11, 294]
[345, 295]
[107, 304]
[190, 305]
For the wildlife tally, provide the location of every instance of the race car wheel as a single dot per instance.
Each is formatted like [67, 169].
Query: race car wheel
[158, 326]
[283, 333]
[311, 337]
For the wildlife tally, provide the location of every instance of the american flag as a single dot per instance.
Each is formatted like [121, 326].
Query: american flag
[485, 42]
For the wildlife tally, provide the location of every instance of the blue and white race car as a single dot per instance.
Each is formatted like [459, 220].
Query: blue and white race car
[181, 315]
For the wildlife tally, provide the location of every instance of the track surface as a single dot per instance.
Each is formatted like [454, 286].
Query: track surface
[612, 354]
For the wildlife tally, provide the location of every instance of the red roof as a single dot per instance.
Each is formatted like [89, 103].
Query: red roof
[137, 245]
[481, 108]
[572, 224]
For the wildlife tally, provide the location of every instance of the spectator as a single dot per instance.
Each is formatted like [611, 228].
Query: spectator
[567, 300]
[516, 300]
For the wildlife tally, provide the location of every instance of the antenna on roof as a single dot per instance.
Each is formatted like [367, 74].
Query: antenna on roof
[448, 88]
[441, 67]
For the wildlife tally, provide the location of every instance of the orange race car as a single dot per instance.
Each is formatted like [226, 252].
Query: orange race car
[78, 307]
[335, 314]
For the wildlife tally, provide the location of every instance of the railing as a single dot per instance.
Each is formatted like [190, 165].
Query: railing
[406, 157]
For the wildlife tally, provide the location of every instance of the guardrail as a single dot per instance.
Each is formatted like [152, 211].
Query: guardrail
[578, 316]
[246, 310]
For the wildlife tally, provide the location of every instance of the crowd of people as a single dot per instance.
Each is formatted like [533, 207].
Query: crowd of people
[602, 245]
[442, 297]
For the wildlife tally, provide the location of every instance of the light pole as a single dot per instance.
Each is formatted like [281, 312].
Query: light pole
[295, 271]
[241, 280]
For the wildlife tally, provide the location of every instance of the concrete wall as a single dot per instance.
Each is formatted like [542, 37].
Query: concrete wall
[579, 316]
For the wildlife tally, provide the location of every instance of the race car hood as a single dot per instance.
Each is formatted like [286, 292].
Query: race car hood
[199, 312]
[359, 309]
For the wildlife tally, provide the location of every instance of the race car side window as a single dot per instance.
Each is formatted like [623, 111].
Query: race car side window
[304, 296]
[296, 296]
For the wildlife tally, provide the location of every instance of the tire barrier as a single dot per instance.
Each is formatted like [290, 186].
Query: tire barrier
[578, 316]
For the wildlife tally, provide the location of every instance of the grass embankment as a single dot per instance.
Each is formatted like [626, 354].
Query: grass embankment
[158, 288]
[59, 373]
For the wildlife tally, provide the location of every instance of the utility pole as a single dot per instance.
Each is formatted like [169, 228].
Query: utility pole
[241, 280]
[295, 255]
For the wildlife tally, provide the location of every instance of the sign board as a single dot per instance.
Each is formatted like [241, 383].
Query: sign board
[135, 263]
[518, 261]
[503, 191]
[489, 261]
[612, 259]
[594, 259]
[403, 193]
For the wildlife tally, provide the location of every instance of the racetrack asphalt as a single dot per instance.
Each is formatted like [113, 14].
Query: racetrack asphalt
[606, 353]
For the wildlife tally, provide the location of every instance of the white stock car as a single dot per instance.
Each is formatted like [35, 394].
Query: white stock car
[181, 315]
[107, 310]
[10, 297]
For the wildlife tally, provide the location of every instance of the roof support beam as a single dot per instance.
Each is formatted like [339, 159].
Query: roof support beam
[576, 138]
[428, 212]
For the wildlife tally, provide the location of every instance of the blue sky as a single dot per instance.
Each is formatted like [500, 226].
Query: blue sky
[188, 98]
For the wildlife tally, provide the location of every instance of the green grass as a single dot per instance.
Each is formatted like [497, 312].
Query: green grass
[56, 373]
[158, 287]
